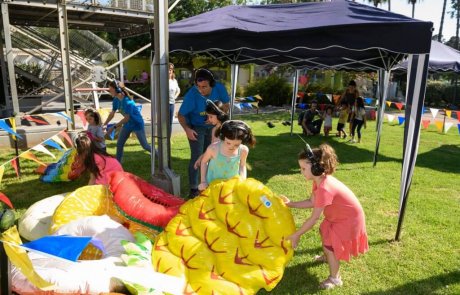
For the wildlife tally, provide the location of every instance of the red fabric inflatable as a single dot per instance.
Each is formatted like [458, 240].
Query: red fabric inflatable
[141, 201]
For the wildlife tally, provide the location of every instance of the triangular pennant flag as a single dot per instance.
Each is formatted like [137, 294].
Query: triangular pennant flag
[458, 116]
[438, 125]
[238, 106]
[390, 118]
[426, 123]
[81, 115]
[458, 127]
[434, 112]
[13, 126]
[66, 137]
[255, 104]
[399, 105]
[7, 128]
[30, 156]
[401, 120]
[63, 114]
[41, 169]
[302, 106]
[59, 141]
[51, 143]
[65, 247]
[38, 121]
[389, 103]
[336, 98]
[449, 113]
[329, 96]
[20, 259]
[258, 97]
[40, 148]
[5, 199]
[2, 170]
[15, 166]
[104, 114]
[423, 110]
[368, 100]
[447, 126]
[250, 98]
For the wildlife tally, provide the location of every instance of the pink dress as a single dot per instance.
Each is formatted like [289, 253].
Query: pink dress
[106, 165]
[344, 226]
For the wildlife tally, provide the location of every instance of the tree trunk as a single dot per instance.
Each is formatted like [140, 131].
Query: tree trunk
[389, 5]
[458, 21]
[413, 10]
[442, 21]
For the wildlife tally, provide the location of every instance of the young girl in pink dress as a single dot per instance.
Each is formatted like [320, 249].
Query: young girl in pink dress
[343, 230]
[98, 163]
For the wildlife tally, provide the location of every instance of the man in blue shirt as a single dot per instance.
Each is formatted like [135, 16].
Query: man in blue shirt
[192, 117]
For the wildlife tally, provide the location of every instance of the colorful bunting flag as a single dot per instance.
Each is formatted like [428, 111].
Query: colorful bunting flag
[40, 148]
[63, 114]
[390, 118]
[458, 126]
[2, 170]
[434, 112]
[6, 200]
[81, 115]
[238, 106]
[423, 110]
[13, 126]
[15, 166]
[399, 105]
[59, 141]
[389, 103]
[401, 120]
[438, 125]
[33, 119]
[258, 97]
[336, 98]
[448, 113]
[329, 96]
[250, 98]
[426, 123]
[30, 156]
[66, 137]
[458, 116]
[447, 126]
[20, 259]
[4, 126]
[368, 100]
[51, 143]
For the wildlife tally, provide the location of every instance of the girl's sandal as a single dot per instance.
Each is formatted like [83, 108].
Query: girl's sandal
[320, 258]
[331, 283]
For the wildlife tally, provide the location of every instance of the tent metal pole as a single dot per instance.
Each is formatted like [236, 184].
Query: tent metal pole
[234, 81]
[4, 76]
[65, 57]
[10, 62]
[295, 89]
[153, 115]
[381, 114]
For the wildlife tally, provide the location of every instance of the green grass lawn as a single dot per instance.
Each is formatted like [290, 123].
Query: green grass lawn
[425, 261]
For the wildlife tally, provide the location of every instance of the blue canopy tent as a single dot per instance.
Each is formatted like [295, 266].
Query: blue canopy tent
[337, 34]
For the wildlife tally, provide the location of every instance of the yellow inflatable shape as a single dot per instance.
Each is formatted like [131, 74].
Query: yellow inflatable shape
[230, 240]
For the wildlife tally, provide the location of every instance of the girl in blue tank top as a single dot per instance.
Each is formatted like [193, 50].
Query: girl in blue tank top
[227, 157]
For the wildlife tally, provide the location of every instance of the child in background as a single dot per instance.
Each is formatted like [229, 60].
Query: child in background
[215, 117]
[327, 117]
[95, 131]
[343, 230]
[96, 161]
[359, 119]
[343, 116]
[227, 157]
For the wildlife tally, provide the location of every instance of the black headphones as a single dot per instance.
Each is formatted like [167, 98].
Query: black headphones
[117, 87]
[316, 168]
[234, 125]
[205, 74]
[221, 115]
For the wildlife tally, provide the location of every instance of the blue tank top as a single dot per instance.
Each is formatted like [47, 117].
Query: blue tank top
[223, 167]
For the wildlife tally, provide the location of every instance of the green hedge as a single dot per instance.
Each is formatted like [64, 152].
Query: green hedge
[274, 90]
[440, 93]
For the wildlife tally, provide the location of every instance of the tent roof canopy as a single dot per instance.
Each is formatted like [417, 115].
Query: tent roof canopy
[338, 34]
[443, 58]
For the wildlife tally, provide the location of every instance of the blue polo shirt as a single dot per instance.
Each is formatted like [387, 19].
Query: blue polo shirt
[127, 106]
[193, 107]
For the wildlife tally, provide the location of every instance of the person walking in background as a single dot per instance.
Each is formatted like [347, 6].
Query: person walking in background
[349, 96]
[95, 130]
[96, 161]
[343, 116]
[132, 119]
[359, 115]
[327, 117]
[174, 92]
[343, 230]
[192, 117]
[227, 157]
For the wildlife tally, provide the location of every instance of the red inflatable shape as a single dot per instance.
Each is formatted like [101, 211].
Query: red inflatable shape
[142, 201]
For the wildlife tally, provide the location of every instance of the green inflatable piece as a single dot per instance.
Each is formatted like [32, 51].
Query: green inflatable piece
[7, 220]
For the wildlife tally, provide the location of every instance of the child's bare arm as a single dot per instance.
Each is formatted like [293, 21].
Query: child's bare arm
[206, 157]
[244, 156]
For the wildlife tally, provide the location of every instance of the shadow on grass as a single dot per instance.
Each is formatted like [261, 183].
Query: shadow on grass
[444, 158]
[296, 280]
[426, 286]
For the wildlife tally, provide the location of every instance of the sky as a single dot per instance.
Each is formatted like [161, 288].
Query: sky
[427, 10]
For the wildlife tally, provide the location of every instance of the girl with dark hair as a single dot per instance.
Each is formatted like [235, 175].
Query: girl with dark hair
[132, 119]
[359, 119]
[227, 157]
[95, 130]
[349, 96]
[95, 160]
[343, 230]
